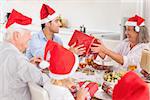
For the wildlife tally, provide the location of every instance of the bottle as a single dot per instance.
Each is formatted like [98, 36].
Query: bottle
[83, 29]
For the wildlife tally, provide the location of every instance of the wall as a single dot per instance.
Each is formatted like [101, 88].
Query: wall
[103, 15]
[96, 15]
[147, 13]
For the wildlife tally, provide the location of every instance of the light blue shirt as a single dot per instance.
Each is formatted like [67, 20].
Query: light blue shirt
[37, 44]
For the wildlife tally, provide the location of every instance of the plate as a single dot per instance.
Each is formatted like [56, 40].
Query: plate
[100, 94]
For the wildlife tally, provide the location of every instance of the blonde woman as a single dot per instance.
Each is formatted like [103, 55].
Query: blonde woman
[63, 64]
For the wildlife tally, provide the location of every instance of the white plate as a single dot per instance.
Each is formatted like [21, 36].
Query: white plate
[100, 94]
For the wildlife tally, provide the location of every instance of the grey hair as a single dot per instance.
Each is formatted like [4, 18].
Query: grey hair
[9, 33]
[144, 35]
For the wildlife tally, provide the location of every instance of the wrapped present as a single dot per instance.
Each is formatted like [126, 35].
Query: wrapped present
[92, 88]
[108, 88]
[145, 60]
[81, 38]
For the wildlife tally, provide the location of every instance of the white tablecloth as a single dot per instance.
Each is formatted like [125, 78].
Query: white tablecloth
[98, 77]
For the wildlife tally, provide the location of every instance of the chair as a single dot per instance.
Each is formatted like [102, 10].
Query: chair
[37, 92]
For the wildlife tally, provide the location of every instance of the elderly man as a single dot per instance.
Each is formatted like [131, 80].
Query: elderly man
[15, 69]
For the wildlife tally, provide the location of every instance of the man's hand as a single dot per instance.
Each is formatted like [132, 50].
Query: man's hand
[35, 60]
[79, 50]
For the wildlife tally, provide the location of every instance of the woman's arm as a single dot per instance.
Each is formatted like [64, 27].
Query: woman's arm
[115, 56]
[103, 51]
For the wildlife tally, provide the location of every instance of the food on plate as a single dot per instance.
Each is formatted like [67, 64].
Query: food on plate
[101, 67]
[88, 71]
[82, 65]
[89, 62]
[113, 76]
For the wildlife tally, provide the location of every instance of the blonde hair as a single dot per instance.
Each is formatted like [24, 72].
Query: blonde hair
[144, 35]
[62, 82]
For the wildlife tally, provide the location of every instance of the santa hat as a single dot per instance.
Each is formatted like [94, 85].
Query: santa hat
[63, 63]
[80, 38]
[18, 20]
[135, 21]
[47, 14]
[131, 87]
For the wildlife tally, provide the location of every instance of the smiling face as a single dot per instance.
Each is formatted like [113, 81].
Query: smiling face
[131, 34]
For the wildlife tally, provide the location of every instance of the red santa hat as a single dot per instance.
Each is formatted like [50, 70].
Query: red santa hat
[18, 20]
[131, 87]
[135, 21]
[47, 14]
[63, 63]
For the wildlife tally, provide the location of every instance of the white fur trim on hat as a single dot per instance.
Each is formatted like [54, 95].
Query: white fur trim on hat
[30, 27]
[49, 18]
[60, 77]
[130, 23]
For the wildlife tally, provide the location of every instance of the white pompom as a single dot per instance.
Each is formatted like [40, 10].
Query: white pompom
[137, 28]
[44, 64]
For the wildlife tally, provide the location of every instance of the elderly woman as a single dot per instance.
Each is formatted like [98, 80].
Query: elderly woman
[129, 51]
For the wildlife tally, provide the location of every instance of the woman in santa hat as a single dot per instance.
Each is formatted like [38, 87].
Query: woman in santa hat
[129, 51]
[63, 64]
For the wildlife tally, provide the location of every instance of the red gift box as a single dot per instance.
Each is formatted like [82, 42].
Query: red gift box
[82, 38]
[92, 88]
[107, 88]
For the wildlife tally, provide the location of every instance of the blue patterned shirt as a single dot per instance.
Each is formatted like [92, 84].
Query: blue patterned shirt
[37, 44]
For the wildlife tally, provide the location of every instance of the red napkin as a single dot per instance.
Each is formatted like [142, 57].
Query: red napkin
[92, 87]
